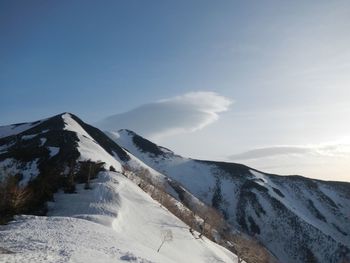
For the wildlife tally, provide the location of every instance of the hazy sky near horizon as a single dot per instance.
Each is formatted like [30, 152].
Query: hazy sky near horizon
[264, 83]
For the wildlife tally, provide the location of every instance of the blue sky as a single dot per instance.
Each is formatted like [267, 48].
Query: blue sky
[283, 65]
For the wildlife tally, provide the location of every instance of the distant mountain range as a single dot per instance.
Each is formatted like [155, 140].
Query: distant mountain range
[296, 218]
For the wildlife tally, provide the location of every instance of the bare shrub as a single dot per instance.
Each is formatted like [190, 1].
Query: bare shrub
[13, 198]
[212, 220]
[145, 176]
[159, 193]
[20, 197]
[70, 179]
[88, 170]
[249, 249]
[166, 236]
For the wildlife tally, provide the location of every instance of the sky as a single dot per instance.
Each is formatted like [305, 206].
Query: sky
[264, 83]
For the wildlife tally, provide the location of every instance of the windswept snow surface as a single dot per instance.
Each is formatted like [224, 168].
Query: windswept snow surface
[114, 222]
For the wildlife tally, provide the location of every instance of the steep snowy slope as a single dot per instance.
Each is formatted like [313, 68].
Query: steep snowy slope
[115, 221]
[298, 219]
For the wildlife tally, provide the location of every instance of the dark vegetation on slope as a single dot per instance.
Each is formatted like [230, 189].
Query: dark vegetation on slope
[61, 171]
[146, 145]
[234, 170]
[303, 233]
[313, 184]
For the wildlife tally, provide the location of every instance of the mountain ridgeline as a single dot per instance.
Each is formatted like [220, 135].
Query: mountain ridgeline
[296, 218]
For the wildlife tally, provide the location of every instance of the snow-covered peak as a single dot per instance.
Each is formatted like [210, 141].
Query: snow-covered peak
[129, 139]
[63, 137]
[73, 125]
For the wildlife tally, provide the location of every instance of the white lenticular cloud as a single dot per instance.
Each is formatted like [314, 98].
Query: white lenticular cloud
[322, 150]
[186, 113]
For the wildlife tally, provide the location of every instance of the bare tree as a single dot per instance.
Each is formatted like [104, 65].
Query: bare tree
[14, 199]
[143, 175]
[249, 249]
[212, 219]
[159, 193]
[70, 181]
[88, 179]
[167, 236]
[190, 220]
[20, 197]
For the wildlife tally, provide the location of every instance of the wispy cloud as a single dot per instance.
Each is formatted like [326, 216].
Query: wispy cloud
[186, 113]
[322, 150]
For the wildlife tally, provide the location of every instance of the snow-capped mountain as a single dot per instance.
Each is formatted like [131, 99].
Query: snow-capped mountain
[296, 218]
[55, 140]
[89, 210]
[105, 218]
